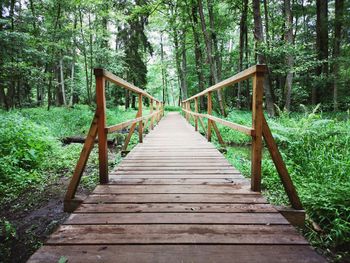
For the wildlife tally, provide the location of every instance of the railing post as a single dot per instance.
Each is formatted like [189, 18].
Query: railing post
[157, 109]
[209, 111]
[151, 111]
[140, 122]
[196, 117]
[257, 121]
[101, 125]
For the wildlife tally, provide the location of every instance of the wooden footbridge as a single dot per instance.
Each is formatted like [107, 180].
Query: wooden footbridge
[175, 198]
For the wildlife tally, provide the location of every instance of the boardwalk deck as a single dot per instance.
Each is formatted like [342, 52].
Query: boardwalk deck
[175, 198]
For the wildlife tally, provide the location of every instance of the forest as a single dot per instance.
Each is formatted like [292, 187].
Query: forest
[173, 50]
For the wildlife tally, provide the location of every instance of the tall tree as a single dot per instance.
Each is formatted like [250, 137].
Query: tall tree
[289, 60]
[243, 31]
[259, 39]
[198, 49]
[338, 23]
[210, 55]
[322, 48]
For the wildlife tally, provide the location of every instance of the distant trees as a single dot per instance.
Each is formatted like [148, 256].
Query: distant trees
[175, 49]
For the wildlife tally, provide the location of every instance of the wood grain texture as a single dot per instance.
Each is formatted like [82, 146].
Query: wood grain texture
[178, 253]
[175, 198]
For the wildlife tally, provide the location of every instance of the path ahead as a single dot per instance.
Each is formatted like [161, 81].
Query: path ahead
[175, 198]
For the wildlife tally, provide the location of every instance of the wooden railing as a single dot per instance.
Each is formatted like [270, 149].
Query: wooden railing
[99, 129]
[259, 129]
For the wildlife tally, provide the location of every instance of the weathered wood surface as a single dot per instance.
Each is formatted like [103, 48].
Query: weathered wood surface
[175, 198]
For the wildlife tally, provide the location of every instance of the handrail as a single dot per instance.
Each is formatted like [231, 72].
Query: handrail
[99, 128]
[243, 75]
[100, 72]
[259, 129]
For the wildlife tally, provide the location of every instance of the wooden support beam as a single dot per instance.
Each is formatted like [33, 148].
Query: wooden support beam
[131, 132]
[217, 132]
[196, 117]
[209, 111]
[257, 120]
[84, 156]
[295, 216]
[151, 111]
[281, 167]
[140, 122]
[102, 135]
[203, 126]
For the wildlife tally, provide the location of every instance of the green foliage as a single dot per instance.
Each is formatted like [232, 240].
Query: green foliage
[172, 108]
[23, 147]
[31, 155]
[316, 151]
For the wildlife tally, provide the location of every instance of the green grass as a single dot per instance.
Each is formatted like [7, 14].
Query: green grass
[316, 150]
[31, 153]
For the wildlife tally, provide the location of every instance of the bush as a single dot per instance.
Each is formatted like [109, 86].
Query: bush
[316, 151]
[23, 147]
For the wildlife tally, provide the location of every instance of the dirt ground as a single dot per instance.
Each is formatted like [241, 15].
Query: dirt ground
[35, 221]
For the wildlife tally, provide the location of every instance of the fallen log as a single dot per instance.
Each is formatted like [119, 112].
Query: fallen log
[77, 139]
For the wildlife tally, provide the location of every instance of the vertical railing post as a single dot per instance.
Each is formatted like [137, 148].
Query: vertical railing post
[157, 109]
[162, 109]
[140, 122]
[151, 111]
[257, 121]
[196, 117]
[209, 111]
[101, 125]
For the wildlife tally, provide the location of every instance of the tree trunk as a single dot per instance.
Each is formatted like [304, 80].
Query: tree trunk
[198, 52]
[182, 80]
[162, 66]
[322, 48]
[242, 32]
[88, 91]
[339, 12]
[127, 99]
[290, 59]
[259, 39]
[184, 62]
[62, 91]
[210, 55]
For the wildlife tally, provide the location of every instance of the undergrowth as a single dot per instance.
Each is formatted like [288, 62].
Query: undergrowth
[316, 150]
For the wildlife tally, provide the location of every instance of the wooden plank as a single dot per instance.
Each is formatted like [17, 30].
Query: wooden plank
[182, 181]
[174, 170]
[150, 175]
[176, 234]
[173, 189]
[176, 218]
[176, 198]
[175, 207]
[179, 253]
